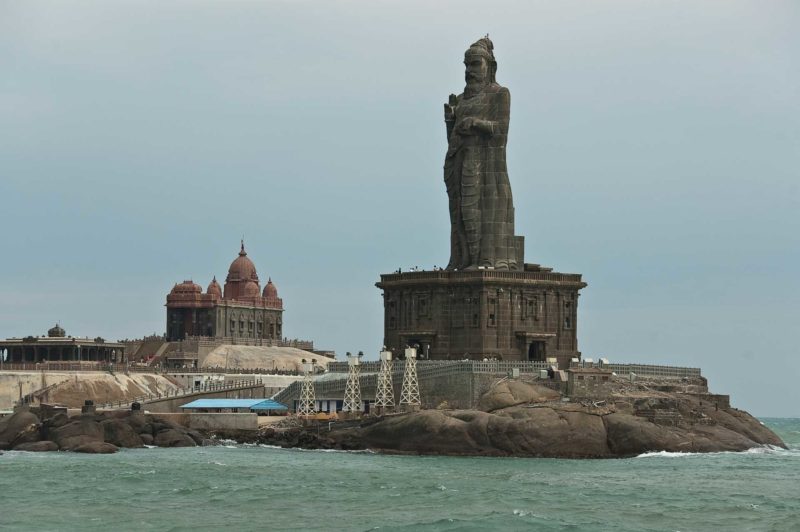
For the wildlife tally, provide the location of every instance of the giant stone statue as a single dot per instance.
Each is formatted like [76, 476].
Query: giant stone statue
[489, 303]
[475, 174]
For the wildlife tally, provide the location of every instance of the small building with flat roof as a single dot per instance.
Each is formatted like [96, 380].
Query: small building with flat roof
[257, 406]
[58, 347]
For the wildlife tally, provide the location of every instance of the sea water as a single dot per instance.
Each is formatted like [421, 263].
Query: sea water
[259, 488]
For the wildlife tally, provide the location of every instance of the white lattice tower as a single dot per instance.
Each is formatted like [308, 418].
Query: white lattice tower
[352, 390]
[384, 398]
[307, 399]
[409, 395]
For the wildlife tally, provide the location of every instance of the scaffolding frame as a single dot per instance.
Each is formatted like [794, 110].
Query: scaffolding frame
[384, 396]
[409, 396]
[307, 406]
[352, 391]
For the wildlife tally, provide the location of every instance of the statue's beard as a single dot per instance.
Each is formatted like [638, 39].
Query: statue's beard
[473, 87]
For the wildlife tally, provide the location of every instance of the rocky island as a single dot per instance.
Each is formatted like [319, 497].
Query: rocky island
[517, 418]
[36, 429]
[514, 417]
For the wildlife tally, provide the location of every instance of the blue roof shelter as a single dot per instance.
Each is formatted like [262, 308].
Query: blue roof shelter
[269, 404]
[221, 403]
[238, 405]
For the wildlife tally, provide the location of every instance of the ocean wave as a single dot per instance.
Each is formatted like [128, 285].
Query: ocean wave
[669, 454]
[226, 442]
[298, 449]
[760, 450]
[773, 449]
[362, 451]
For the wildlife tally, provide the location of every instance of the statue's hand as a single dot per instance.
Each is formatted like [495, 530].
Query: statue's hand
[449, 113]
[474, 126]
[465, 126]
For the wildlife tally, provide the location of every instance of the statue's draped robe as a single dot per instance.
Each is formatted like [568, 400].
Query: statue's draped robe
[475, 173]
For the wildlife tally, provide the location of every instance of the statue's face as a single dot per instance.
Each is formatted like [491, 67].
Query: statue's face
[477, 71]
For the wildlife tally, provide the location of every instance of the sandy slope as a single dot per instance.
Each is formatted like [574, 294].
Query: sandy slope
[258, 357]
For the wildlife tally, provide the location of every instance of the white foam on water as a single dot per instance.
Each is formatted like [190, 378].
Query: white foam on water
[774, 450]
[760, 450]
[668, 454]
[523, 513]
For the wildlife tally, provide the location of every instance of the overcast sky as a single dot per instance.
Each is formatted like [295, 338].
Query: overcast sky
[654, 148]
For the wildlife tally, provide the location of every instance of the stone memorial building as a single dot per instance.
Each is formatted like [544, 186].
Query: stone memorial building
[487, 303]
[58, 347]
[239, 310]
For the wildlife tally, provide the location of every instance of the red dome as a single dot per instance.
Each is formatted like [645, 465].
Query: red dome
[187, 287]
[214, 288]
[250, 289]
[242, 268]
[270, 291]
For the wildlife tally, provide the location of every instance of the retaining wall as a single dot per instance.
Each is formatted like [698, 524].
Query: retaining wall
[212, 421]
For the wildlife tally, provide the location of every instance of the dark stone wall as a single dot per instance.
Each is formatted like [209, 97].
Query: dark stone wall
[528, 315]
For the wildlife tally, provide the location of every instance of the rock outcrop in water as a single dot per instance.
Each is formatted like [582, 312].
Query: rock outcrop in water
[92, 433]
[519, 419]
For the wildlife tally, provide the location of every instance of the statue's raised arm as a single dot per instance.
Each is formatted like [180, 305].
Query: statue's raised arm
[450, 114]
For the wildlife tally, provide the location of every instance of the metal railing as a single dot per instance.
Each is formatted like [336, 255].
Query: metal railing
[66, 366]
[183, 392]
[440, 367]
[482, 274]
[136, 368]
[427, 369]
[424, 368]
[648, 370]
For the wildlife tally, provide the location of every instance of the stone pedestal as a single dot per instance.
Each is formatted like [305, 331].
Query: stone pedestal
[88, 407]
[476, 314]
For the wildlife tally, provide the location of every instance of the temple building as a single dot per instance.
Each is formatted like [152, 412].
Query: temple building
[58, 347]
[240, 310]
[476, 314]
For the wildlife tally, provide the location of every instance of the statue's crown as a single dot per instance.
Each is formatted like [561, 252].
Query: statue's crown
[483, 47]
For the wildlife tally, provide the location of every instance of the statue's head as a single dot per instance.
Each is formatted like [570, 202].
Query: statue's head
[480, 64]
